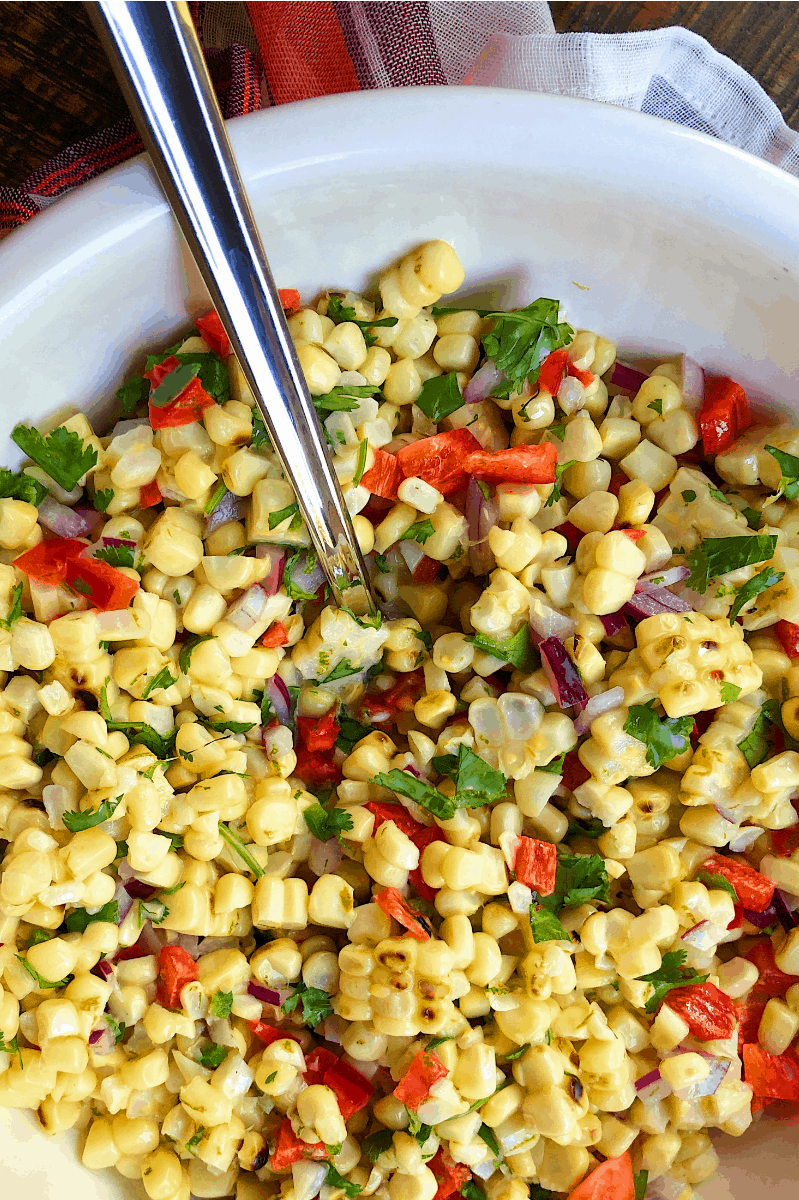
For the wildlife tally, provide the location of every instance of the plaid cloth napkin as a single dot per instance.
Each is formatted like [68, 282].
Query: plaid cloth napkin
[274, 52]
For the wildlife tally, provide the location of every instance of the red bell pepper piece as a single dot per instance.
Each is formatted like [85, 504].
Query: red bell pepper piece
[788, 633]
[317, 1062]
[611, 1180]
[749, 1014]
[535, 865]
[708, 1012]
[268, 1033]
[213, 333]
[353, 1090]
[47, 561]
[395, 905]
[414, 1087]
[150, 494]
[188, 406]
[426, 570]
[724, 414]
[439, 460]
[104, 586]
[319, 733]
[772, 1076]
[450, 1175]
[276, 635]
[785, 841]
[634, 535]
[176, 968]
[754, 891]
[430, 834]
[289, 1149]
[400, 697]
[316, 768]
[289, 300]
[396, 813]
[772, 981]
[384, 476]
[555, 368]
[518, 464]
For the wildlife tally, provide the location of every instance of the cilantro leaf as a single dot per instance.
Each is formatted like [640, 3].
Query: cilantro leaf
[221, 1004]
[381, 562]
[61, 454]
[360, 467]
[260, 437]
[759, 742]
[590, 828]
[546, 927]
[580, 878]
[116, 1027]
[235, 843]
[339, 312]
[188, 648]
[753, 587]
[15, 611]
[340, 671]
[343, 398]
[517, 650]
[688, 496]
[558, 431]
[21, 487]
[315, 1004]
[267, 711]
[554, 495]
[789, 472]
[79, 918]
[163, 679]
[419, 532]
[657, 406]
[729, 692]
[377, 1143]
[718, 556]
[334, 1179]
[325, 825]
[78, 821]
[438, 1041]
[212, 1055]
[102, 499]
[470, 1190]
[132, 393]
[173, 384]
[476, 782]
[520, 341]
[225, 726]
[515, 1054]
[136, 732]
[215, 499]
[670, 974]
[195, 1139]
[640, 1183]
[424, 794]
[664, 737]
[350, 732]
[154, 911]
[717, 494]
[417, 1128]
[487, 1135]
[116, 556]
[214, 375]
[754, 519]
[555, 767]
[718, 881]
[37, 937]
[44, 984]
[283, 514]
[440, 396]
[291, 570]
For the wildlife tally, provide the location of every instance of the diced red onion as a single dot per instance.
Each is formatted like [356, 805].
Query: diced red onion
[412, 770]
[664, 1188]
[63, 521]
[102, 1041]
[483, 382]
[325, 857]
[307, 580]
[604, 702]
[264, 994]
[140, 890]
[481, 515]
[112, 541]
[788, 917]
[413, 554]
[124, 898]
[279, 698]
[271, 582]
[629, 379]
[725, 813]
[249, 609]
[744, 837]
[662, 578]
[762, 920]
[332, 1030]
[563, 675]
[149, 942]
[692, 383]
[547, 622]
[652, 1086]
[654, 601]
[103, 968]
[229, 508]
[188, 942]
[209, 944]
[718, 1068]
[614, 623]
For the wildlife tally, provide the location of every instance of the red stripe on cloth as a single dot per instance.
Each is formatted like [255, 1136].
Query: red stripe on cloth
[92, 162]
[303, 49]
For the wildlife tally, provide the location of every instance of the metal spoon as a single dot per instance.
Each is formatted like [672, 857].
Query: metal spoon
[158, 62]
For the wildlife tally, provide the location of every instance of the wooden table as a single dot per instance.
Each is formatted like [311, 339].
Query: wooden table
[56, 87]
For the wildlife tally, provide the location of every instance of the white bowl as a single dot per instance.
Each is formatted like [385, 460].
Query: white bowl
[651, 234]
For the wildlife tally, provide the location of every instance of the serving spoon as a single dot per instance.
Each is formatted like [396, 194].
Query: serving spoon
[156, 56]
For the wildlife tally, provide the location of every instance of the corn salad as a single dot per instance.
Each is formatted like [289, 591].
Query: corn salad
[494, 894]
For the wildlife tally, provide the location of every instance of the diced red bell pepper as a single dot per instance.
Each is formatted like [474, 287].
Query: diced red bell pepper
[749, 1014]
[724, 414]
[213, 333]
[176, 968]
[104, 586]
[772, 1076]
[319, 733]
[574, 773]
[611, 1180]
[400, 697]
[316, 768]
[276, 635]
[353, 1090]
[555, 368]
[785, 841]
[754, 891]
[394, 904]
[414, 1087]
[47, 561]
[426, 570]
[188, 406]
[319, 1060]
[289, 1149]
[396, 813]
[707, 1011]
[535, 865]
[384, 476]
[788, 633]
[617, 482]
[289, 300]
[772, 981]
[268, 1033]
[431, 833]
[150, 494]
[439, 460]
[450, 1175]
[518, 464]
[634, 535]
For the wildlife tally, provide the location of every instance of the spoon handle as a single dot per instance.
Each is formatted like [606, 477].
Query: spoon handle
[156, 56]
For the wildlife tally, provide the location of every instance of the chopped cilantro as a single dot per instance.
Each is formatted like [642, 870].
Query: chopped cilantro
[78, 821]
[335, 1180]
[212, 1055]
[381, 562]
[419, 532]
[487, 1135]
[718, 556]
[325, 825]
[718, 881]
[554, 495]
[225, 726]
[132, 393]
[520, 341]
[789, 472]
[154, 911]
[339, 312]
[688, 496]
[350, 732]
[163, 679]
[117, 1027]
[116, 556]
[188, 648]
[591, 827]
[440, 396]
[21, 487]
[15, 611]
[214, 375]
[260, 437]
[360, 467]
[291, 572]
[729, 692]
[215, 499]
[517, 650]
[244, 854]
[670, 974]
[315, 1004]
[558, 431]
[102, 499]
[515, 1054]
[754, 519]
[657, 406]
[44, 984]
[221, 1004]
[640, 1182]
[753, 587]
[173, 384]
[340, 671]
[79, 918]
[283, 514]
[195, 1139]
[377, 1143]
[664, 737]
[471, 1190]
[343, 398]
[61, 454]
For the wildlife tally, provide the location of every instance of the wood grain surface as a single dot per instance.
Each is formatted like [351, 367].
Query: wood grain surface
[56, 87]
